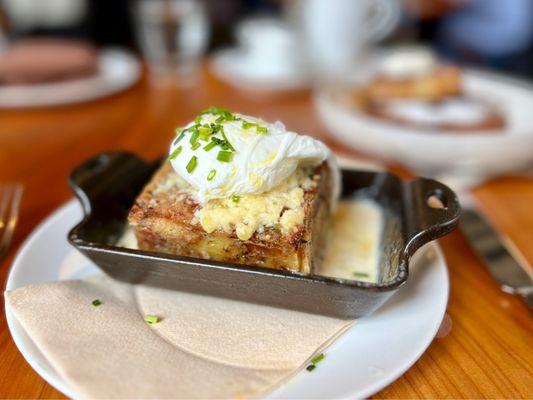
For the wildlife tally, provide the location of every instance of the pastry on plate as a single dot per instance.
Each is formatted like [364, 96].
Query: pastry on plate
[412, 88]
[42, 60]
[240, 190]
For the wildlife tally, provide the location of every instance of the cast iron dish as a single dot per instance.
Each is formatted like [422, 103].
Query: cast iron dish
[108, 184]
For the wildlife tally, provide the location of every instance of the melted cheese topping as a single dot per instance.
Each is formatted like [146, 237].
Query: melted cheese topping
[281, 207]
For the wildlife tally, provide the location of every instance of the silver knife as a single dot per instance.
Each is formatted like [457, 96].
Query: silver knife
[504, 261]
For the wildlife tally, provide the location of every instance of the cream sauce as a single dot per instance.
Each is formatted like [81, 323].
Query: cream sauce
[353, 248]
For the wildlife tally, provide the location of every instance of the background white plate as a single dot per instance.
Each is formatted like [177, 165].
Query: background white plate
[431, 152]
[118, 70]
[232, 66]
[372, 354]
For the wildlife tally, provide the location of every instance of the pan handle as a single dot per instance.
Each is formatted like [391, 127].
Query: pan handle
[432, 210]
[109, 179]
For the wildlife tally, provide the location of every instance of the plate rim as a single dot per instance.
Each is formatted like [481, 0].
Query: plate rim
[105, 54]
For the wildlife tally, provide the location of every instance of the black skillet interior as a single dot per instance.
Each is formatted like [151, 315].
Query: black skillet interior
[108, 184]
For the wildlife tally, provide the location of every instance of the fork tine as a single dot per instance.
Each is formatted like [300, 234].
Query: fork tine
[9, 211]
[5, 194]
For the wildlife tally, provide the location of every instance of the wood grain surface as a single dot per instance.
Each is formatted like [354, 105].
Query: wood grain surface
[483, 351]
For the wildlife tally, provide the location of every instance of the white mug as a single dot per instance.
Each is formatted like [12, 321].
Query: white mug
[268, 44]
[335, 33]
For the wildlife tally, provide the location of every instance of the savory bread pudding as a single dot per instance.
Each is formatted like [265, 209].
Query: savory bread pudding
[238, 189]
[412, 88]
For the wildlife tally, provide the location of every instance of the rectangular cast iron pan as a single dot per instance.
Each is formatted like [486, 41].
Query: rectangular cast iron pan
[108, 184]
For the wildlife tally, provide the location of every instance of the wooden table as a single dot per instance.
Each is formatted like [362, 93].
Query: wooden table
[487, 353]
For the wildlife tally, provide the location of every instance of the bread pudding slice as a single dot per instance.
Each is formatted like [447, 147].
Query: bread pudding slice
[290, 234]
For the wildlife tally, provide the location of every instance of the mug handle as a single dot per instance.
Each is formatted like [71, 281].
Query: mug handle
[383, 17]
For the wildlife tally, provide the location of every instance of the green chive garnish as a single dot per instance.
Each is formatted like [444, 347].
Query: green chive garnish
[96, 302]
[235, 198]
[318, 358]
[194, 136]
[180, 136]
[211, 175]
[224, 156]
[151, 319]
[210, 145]
[360, 275]
[192, 164]
[198, 120]
[175, 153]
[226, 139]
[195, 146]
[315, 361]
[261, 129]
[205, 132]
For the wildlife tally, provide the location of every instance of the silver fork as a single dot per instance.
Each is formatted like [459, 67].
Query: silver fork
[10, 196]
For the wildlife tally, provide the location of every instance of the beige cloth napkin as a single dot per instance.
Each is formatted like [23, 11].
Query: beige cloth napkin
[203, 347]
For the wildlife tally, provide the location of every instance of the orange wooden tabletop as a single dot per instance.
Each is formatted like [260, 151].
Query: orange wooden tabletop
[488, 352]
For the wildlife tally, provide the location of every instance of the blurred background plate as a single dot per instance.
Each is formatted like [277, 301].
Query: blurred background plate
[118, 70]
[230, 66]
[430, 152]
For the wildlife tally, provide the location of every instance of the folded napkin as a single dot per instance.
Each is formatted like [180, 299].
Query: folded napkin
[202, 347]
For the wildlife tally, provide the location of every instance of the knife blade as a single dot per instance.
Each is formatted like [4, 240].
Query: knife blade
[503, 260]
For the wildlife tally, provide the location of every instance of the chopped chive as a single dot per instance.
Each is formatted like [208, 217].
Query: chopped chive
[246, 124]
[318, 358]
[192, 164]
[96, 302]
[180, 136]
[224, 156]
[210, 145]
[211, 175]
[194, 136]
[360, 275]
[195, 146]
[205, 132]
[175, 153]
[235, 198]
[151, 319]
[198, 119]
[262, 129]
[315, 361]
[226, 139]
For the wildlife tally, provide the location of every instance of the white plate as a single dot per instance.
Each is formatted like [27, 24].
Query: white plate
[118, 70]
[233, 66]
[372, 354]
[430, 152]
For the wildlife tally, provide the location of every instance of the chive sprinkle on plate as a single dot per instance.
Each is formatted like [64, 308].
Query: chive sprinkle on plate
[360, 274]
[315, 361]
[96, 302]
[151, 319]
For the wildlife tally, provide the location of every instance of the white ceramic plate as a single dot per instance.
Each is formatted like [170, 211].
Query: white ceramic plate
[233, 67]
[375, 352]
[118, 70]
[431, 152]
